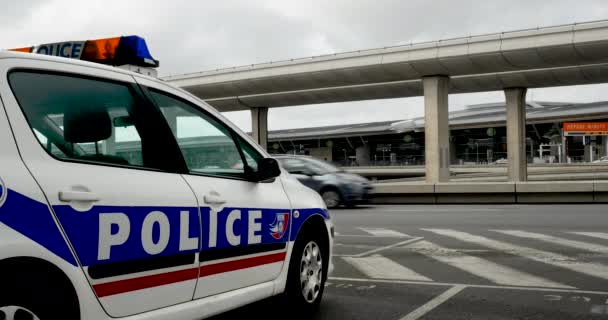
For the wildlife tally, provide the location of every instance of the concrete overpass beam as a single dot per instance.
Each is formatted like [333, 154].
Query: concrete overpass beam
[259, 126]
[516, 134]
[436, 128]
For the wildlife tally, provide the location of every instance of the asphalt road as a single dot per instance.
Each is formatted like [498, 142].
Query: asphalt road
[465, 262]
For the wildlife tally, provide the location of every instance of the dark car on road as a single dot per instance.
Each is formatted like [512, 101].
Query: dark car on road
[336, 186]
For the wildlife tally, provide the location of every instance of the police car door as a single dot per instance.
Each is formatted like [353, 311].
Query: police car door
[102, 159]
[245, 224]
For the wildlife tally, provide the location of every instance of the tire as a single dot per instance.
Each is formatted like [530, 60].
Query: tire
[313, 284]
[332, 198]
[35, 297]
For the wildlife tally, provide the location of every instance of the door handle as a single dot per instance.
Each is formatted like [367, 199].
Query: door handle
[78, 196]
[213, 198]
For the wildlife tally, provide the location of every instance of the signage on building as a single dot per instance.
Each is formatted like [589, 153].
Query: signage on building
[383, 147]
[586, 129]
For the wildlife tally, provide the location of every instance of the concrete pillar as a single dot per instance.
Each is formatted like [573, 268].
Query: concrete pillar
[453, 155]
[436, 129]
[259, 126]
[362, 153]
[516, 134]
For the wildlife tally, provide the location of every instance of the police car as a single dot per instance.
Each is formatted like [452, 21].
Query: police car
[122, 196]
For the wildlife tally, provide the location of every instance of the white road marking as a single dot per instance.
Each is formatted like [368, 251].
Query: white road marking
[473, 250]
[402, 243]
[358, 246]
[586, 246]
[480, 286]
[599, 235]
[379, 267]
[380, 232]
[429, 306]
[424, 210]
[483, 268]
[595, 270]
[362, 236]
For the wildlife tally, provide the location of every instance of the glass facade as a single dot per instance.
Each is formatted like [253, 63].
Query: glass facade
[478, 146]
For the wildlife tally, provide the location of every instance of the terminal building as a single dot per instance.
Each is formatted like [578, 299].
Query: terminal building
[477, 136]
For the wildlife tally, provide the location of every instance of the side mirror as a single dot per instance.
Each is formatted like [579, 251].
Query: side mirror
[268, 169]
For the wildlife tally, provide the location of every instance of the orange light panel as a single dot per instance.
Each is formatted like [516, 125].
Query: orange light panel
[102, 49]
[26, 49]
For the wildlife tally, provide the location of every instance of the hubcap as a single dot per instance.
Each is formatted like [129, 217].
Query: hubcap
[16, 313]
[311, 272]
[331, 198]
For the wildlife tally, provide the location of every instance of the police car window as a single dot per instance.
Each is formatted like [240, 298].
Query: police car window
[50, 146]
[207, 146]
[251, 156]
[80, 119]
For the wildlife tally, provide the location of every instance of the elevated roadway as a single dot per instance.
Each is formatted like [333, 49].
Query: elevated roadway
[553, 56]
[514, 61]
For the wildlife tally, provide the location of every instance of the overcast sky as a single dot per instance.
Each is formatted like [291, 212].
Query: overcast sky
[190, 36]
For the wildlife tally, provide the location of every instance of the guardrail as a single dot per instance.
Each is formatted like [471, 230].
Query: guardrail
[418, 171]
[492, 192]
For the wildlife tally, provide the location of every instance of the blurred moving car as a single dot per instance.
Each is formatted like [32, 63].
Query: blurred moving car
[336, 186]
[501, 161]
[601, 160]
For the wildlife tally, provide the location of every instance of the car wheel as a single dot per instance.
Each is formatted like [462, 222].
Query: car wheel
[16, 313]
[34, 307]
[35, 298]
[307, 275]
[331, 198]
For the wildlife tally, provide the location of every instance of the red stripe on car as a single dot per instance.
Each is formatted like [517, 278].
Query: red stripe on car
[128, 285]
[228, 266]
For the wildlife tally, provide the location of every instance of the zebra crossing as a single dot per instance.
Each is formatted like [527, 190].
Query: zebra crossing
[381, 232]
[483, 268]
[551, 239]
[375, 232]
[600, 235]
[439, 248]
[379, 267]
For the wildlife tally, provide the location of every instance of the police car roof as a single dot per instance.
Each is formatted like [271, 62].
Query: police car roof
[6, 54]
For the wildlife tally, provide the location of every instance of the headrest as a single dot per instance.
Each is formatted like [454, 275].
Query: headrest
[84, 125]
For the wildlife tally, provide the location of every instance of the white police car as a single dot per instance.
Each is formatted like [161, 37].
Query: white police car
[122, 196]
